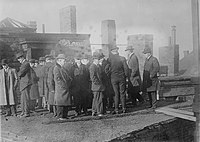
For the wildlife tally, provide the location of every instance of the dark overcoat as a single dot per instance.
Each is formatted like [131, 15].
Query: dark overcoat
[96, 78]
[134, 73]
[8, 96]
[41, 75]
[34, 92]
[117, 67]
[81, 80]
[51, 86]
[24, 75]
[150, 78]
[62, 85]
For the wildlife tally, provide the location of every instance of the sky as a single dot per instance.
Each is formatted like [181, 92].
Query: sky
[131, 17]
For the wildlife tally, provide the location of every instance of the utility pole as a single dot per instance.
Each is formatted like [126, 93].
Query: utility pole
[196, 49]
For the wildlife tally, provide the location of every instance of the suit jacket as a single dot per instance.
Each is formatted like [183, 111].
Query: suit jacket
[10, 91]
[96, 78]
[62, 85]
[134, 74]
[24, 75]
[41, 83]
[117, 67]
[150, 78]
[34, 92]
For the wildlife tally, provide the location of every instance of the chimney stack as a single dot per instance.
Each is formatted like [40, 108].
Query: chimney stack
[173, 35]
[170, 41]
[43, 28]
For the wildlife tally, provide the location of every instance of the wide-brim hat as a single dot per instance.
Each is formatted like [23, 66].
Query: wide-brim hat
[113, 48]
[41, 59]
[4, 61]
[61, 56]
[20, 54]
[147, 50]
[49, 57]
[129, 48]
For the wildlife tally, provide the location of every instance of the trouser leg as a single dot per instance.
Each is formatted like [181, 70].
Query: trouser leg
[99, 102]
[54, 110]
[94, 108]
[40, 102]
[122, 89]
[60, 111]
[13, 110]
[154, 98]
[116, 97]
[25, 101]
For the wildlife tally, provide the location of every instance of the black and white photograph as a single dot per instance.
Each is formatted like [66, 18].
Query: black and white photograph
[99, 71]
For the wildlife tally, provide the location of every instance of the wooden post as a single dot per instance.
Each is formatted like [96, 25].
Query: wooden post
[196, 49]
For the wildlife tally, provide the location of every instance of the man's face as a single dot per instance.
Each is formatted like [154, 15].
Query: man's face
[20, 59]
[85, 61]
[147, 55]
[101, 61]
[77, 61]
[36, 64]
[61, 61]
[32, 65]
[5, 66]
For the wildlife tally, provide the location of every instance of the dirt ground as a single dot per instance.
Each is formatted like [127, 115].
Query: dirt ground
[43, 127]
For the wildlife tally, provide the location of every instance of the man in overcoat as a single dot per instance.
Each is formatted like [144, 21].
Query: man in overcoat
[118, 72]
[62, 85]
[134, 78]
[41, 75]
[49, 63]
[97, 85]
[8, 85]
[25, 83]
[81, 88]
[34, 92]
[150, 77]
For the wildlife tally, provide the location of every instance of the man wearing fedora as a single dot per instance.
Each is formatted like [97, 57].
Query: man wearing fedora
[134, 78]
[25, 83]
[97, 85]
[150, 78]
[41, 75]
[118, 70]
[8, 85]
[62, 84]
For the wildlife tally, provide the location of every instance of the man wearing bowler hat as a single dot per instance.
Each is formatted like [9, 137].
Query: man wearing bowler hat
[8, 85]
[25, 83]
[62, 88]
[150, 78]
[134, 78]
[118, 69]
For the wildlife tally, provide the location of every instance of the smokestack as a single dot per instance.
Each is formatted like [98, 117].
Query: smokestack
[173, 35]
[43, 28]
[186, 53]
[170, 41]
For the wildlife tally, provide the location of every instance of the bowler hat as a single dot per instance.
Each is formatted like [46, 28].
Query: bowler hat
[113, 48]
[32, 61]
[96, 55]
[129, 48]
[20, 54]
[41, 59]
[4, 61]
[86, 56]
[146, 50]
[61, 56]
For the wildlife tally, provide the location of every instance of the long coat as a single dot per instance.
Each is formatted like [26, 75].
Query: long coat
[150, 78]
[24, 75]
[134, 74]
[51, 86]
[34, 91]
[62, 85]
[96, 78]
[10, 93]
[41, 75]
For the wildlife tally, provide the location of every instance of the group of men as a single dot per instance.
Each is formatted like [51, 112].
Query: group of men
[57, 84]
